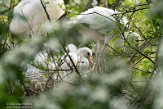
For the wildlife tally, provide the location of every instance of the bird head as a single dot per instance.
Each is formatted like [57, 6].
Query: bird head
[71, 48]
[87, 53]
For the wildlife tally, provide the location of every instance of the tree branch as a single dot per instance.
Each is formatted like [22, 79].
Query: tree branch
[44, 7]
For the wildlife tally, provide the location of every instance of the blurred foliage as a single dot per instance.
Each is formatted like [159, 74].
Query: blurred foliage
[132, 74]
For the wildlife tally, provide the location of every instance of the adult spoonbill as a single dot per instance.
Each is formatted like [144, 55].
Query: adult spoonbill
[99, 22]
[30, 15]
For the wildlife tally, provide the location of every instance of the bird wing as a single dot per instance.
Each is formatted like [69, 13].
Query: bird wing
[29, 15]
[99, 18]
[55, 9]
[68, 61]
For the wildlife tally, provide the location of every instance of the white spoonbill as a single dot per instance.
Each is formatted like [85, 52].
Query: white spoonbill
[99, 22]
[30, 15]
[81, 59]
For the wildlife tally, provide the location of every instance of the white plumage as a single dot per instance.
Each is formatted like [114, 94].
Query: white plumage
[133, 35]
[85, 62]
[80, 58]
[29, 16]
[71, 48]
[99, 22]
[100, 19]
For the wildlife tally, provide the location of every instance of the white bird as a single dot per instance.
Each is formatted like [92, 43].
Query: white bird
[81, 59]
[71, 48]
[133, 35]
[99, 22]
[85, 61]
[133, 39]
[30, 15]
[69, 59]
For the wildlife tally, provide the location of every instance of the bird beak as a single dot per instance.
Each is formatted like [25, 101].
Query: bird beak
[90, 61]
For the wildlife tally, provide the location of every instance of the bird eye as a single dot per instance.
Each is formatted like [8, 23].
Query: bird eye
[88, 54]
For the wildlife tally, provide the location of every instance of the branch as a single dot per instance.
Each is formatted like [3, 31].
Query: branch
[101, 15]
[27, 21]
[156, 57]
[140, 70]
[44, 7]
[140, 48]
[114, 50]
[136, 48]
[76, 70]
[10, 88]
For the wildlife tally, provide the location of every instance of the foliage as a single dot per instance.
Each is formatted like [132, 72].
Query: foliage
[126, 75]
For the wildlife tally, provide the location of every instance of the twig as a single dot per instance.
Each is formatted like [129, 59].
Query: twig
[139, 61]
[49, 78]
[140, 31]
[133, 10]
[156, 57]
[27, 21]
[140, 48]
[141, 70]
[76, 70]
[137, 50]
[10, 88]
[77, 4]
[114, 50]
[44, 7]
[25, 88]
[101, 15]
